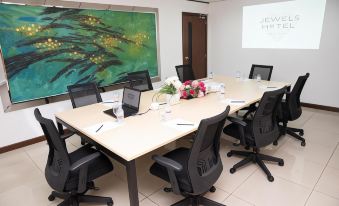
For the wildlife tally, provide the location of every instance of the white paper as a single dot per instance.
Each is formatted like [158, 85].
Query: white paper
[93, 130]
[174, 124]
[107, 104]
[233, 101]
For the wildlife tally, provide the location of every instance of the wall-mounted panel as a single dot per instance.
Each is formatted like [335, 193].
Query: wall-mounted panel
[47, 48]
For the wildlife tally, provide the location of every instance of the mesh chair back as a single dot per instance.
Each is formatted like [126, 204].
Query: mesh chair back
[185, 72]
[204, 164]
[84, 94]
[58, 161]
[265, 125]
[264, 71]
[140, 80]
[293, 100]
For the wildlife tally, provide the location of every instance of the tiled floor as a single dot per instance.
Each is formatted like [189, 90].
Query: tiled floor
[309, 177]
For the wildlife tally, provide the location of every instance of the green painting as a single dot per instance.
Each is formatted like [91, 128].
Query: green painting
[47, 48]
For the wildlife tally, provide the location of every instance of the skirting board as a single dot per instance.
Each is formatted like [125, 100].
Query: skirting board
[42, 138]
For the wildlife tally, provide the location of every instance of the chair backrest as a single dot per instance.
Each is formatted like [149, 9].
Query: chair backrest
[265, 71]
[204, 164]
[140, 80]
[185, 72]
[84, 94]
[58, 161]
[265, 128]
[293, 99]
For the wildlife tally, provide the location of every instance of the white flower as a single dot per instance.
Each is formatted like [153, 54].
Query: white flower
[173, 81]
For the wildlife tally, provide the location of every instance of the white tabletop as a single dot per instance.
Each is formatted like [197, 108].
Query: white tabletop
[139, 135]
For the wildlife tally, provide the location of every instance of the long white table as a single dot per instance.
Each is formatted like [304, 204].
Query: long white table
[142, 134]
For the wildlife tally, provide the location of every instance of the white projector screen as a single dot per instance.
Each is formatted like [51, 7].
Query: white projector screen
[283, 25]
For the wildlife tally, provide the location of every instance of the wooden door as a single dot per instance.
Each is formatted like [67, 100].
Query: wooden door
[194, 40]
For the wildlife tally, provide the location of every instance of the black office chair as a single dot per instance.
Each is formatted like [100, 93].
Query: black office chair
[257, 133]
[291, 109]
[140, 80]
[185, 72]
[82, 95]
[72, 174]
[265, 72]
[192, 172]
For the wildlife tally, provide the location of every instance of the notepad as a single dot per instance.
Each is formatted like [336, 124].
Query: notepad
[233, 101]
[180, 124]
[93, 130]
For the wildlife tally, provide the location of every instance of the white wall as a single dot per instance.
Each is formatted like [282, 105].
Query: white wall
[226, 55]
[20, 125]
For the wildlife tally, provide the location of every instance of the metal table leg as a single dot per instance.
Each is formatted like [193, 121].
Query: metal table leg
[132, 183]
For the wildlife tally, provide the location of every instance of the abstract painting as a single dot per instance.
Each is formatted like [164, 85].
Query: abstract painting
[45, 49]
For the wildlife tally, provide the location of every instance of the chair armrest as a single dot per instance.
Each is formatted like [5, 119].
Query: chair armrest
[168, 163]
[237, 121]
[83, 164]
[85, 161]
[172, 167]
[65, 136]
[241, 128]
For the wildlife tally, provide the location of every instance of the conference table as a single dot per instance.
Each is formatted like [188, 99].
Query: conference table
[141, 134]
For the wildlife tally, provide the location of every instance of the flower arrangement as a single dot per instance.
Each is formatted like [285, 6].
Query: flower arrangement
[192, 89]
[171, 86]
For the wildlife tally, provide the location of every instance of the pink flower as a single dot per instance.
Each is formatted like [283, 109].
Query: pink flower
[203, 88]
[195, 84]
[201, 94]
[188, 82]
[192, 92]
[184, 94]
[182, 87]
[201, 84]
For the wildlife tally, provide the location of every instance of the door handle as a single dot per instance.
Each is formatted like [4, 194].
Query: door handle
[187, 58]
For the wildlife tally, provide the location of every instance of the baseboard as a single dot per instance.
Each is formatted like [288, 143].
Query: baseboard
[321, 107]
[22, 144]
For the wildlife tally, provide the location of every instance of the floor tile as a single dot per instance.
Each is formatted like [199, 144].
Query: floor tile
[147, 202]
[162, 198]
[324, 122]
[321, 137]
[329, 182]
[297, 170]
[312, 151]
[234, 201]
[318, 198]
[219, 195]
[334, 161]
[259, 191]
[17, 170]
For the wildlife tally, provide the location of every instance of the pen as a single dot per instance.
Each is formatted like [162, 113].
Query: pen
[237, 101]
[99, 128]
[186, 124]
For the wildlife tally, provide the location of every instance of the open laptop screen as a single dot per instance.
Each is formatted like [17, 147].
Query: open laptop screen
[131, 97]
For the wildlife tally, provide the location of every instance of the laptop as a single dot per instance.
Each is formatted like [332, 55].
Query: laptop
[130, 102]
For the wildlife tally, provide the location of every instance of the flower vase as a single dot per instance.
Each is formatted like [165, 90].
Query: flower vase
[172, 99]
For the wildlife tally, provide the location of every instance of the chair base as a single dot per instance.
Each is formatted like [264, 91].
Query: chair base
[197, 201]
[255, 157]
[292, 132]
[74, 199]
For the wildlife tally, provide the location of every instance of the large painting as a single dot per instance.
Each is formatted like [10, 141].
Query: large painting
[47, 48]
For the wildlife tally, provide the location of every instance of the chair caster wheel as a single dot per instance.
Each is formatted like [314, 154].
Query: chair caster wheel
[232, 170]
[301, 133]
[110, 203]
[281, 163]
[303, 144]
[51, 197]
[167, 189]
[213, 189]
[270, 178]
[247, 147]
[229, 154]
[275, 143]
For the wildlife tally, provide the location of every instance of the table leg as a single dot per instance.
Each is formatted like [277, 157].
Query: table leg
[60, 128]
[132, 183]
